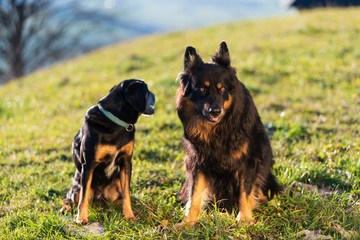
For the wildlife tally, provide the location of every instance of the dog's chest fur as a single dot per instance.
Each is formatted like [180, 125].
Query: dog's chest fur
[111, 168]
[107, 154]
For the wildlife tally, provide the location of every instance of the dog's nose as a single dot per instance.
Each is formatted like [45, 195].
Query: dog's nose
[215, 111]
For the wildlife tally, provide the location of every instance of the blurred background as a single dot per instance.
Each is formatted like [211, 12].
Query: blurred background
[37, 33]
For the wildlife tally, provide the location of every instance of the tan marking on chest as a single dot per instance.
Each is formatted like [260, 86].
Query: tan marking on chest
[199, 128]
[241, 151]
[195, 127]
[104, 150]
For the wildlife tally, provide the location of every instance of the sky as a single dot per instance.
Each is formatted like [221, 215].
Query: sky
[141, 17]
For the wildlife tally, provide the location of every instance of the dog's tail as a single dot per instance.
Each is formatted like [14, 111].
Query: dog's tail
[272, 185]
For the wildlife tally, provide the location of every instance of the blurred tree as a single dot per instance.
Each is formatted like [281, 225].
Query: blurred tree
[35, 33]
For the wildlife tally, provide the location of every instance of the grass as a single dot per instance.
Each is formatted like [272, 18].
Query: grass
[303, 72]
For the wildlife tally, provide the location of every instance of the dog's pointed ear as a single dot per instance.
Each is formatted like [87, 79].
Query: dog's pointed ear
[222, 55]
[191, 59]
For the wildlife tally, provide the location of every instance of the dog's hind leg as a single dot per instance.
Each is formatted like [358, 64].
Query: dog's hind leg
[72, 197]
[125, 176]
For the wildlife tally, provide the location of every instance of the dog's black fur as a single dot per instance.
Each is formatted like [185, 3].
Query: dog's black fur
[100, 147]
[228, 153]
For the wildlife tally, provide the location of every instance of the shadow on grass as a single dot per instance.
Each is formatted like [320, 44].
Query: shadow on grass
[293, 132]
[323, 178]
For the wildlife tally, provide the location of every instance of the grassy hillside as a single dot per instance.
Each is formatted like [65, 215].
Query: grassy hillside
[303, 72]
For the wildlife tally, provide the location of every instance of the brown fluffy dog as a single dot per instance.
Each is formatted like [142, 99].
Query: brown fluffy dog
[228, 153]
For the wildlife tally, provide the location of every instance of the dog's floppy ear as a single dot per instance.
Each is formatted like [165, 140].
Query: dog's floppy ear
[222, 55]
[135, 96]
[191, 60]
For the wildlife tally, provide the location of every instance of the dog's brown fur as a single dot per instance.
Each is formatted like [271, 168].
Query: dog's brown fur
[228, 153]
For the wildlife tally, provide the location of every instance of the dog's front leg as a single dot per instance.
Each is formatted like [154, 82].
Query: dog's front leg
[196, 201]
[86, 193]
[247, 200]
[125, 176]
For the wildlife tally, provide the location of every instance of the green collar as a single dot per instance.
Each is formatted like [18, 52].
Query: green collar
[128, 126]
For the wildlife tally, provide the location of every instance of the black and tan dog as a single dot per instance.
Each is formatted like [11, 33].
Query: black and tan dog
[228, 153]
[104, 144]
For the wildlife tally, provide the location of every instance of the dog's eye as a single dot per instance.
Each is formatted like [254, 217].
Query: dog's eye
[222, 89]
[202, 89]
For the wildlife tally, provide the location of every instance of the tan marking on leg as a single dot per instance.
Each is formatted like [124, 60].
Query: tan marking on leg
[103, 150]
[196, 202]
[127, 210]
[125, 183]
[246, 204]
[82, 217]
[242, 150]
[228, 102]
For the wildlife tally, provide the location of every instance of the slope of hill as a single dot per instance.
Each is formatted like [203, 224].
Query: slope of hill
[303, 72]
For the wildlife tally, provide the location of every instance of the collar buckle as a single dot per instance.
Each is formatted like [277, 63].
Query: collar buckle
[130, 127]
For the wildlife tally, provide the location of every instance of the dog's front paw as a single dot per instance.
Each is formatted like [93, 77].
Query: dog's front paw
[81, 220]
[244, 218]
[66, 206]
[128, 214]
[66, 209]
[130, 217]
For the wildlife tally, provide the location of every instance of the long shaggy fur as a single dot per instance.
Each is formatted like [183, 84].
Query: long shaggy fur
[235, 153]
